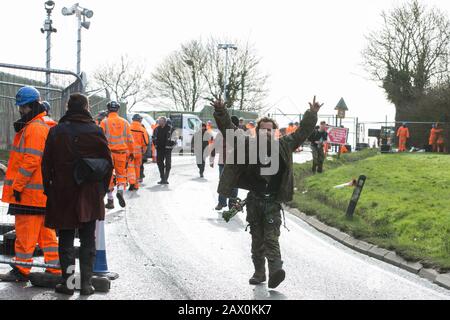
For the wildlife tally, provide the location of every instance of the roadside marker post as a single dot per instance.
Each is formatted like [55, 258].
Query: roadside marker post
[356, 195]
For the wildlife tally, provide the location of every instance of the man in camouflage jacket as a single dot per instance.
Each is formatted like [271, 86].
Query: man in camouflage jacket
[266, 192]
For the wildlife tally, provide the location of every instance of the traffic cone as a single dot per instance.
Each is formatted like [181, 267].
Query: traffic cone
[101, 265]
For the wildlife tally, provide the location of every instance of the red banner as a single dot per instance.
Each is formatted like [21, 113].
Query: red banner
[337, 135]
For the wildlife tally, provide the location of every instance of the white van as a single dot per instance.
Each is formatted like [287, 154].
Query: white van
[147, 121]
[185, 125]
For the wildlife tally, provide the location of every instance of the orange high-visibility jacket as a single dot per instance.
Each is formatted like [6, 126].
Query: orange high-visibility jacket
[50, 122]
[290, 130]
[140, 137]
[24, 168]
[433, 137]
[403, 132]
[117, 131]
[439, 136]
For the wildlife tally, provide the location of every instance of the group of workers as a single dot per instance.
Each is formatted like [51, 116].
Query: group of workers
[436, 140]
[35, 178]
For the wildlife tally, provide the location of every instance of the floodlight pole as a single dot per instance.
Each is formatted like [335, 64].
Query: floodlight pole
[79, 11]
[225, 82]
[48, 28]
[79, 43]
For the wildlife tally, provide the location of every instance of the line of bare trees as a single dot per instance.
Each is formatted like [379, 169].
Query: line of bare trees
[188, 78]
[195, 74]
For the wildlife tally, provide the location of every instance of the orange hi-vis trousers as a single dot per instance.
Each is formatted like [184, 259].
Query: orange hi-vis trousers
[134, 170]
[120, 170]
[30, 230]
[402, 144]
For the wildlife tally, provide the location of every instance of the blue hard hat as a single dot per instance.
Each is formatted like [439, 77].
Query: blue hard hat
[27, 95]
[46, 106]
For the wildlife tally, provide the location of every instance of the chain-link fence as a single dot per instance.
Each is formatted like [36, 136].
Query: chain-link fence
[12, 77]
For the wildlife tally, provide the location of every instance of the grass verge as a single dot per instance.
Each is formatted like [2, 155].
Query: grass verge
[405, 204]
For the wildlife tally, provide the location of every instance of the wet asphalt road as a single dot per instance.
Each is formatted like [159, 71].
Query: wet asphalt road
[169, 243]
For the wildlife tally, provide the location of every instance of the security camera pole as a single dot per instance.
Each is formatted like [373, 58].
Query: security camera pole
[79, 12]
[226, 46]
[49, 5]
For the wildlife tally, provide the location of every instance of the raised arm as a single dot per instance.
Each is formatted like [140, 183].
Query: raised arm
[306, 127]
[222, 117]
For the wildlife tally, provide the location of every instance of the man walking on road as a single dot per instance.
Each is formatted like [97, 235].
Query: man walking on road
[120, 140]
[318, 138]
[202, 141]
[162, 139]
[75, 204]
[267, 189]
[23, 188]
[140, 138]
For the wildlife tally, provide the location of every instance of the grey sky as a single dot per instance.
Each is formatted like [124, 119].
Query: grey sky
[308, 47]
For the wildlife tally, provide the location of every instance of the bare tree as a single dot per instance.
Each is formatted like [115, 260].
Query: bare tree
[178, 79]
[409, 54]
[125, 81]
[195, 74]
[246, 85]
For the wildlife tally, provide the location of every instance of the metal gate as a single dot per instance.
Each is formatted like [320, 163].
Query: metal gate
[12, 77]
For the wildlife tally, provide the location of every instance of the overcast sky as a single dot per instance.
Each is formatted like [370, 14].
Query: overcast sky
[307, 47]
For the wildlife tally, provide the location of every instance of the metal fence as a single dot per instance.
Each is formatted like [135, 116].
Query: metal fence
[371, 133]
[12, 77]
[350, 123]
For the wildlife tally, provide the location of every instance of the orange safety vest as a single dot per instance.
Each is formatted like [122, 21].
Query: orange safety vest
[290, 130]
[140, 137]
[433, 136]
[439, 136]
[49, 121]
[24, 168]
[118, 133]
[403, 132]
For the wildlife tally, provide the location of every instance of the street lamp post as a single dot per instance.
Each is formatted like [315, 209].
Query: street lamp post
[191, 64]
[226, 46]
[82, 14]
[48, 27]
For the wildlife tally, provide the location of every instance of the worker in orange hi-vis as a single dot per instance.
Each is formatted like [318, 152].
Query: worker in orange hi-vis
[290, 129]
[432, 141]
[120, 140]
[440, 143]
[48, 121]
[154, 126]
[209, 130]
[23, 187]
[343, 149]
[403, 136]
[251, 129]
[140, 139]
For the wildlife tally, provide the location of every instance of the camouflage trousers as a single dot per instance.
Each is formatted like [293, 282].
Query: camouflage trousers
[318, 158]
[264, 218]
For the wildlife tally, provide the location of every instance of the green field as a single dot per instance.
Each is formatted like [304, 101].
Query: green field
[405, 204]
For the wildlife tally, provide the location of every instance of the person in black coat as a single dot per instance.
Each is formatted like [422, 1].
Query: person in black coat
[73, 204]
[162, 139]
